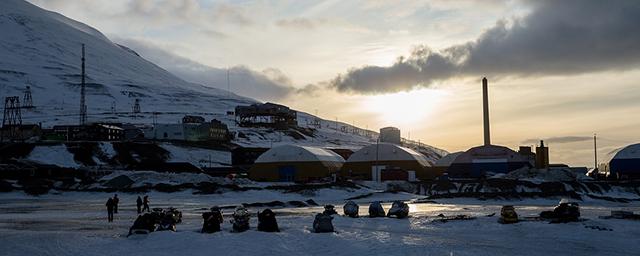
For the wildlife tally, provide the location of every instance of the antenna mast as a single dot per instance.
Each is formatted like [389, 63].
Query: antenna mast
[83, 106]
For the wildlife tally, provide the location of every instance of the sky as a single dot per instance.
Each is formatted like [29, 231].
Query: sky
[561, 71]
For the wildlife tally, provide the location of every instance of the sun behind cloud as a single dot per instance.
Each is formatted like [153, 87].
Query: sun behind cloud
[404, 109]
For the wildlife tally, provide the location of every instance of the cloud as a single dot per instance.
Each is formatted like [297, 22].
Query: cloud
[271, 84]
[559, 140]
[299, 23]
[555, 38]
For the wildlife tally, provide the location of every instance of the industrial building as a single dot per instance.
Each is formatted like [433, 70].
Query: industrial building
[625, 164]
[193, 128]
[390, 135]
[371, 163]
[268, 115]
[90, 132]
[295, 163]
[486, 159]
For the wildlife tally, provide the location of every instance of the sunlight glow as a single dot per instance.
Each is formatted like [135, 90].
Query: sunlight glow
[404, 109]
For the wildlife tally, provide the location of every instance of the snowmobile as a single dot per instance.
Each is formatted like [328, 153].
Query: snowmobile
[329, 210]
[167, 219]
[267, 221]
[322, 223]
[212, 220]
[177, 215]
[508, 215]
[240, 219]
[144, 224]
[564, 212]
[399, 209]
[376, 210]
[351, 209]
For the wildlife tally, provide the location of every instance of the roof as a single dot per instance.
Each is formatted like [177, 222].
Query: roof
[294, 153]
[489, 153]
[387, 152]
[447, 159]
[628, 152]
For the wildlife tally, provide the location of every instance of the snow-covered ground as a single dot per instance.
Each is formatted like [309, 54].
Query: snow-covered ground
[74, 223]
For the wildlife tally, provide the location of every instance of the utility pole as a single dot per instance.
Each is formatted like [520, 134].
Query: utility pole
[83, 106]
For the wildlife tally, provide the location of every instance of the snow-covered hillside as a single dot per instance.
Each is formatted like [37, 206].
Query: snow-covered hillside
[42, 49]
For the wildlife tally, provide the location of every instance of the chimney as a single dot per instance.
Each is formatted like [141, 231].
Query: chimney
[485, 112]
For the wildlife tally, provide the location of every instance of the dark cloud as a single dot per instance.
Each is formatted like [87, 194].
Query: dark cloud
[555, 38]
[559, 140]
[270, 84]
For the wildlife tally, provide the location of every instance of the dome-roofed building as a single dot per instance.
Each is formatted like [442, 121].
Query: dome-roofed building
[626, 163]
[387, 156]
[295, 163]
[481, 160]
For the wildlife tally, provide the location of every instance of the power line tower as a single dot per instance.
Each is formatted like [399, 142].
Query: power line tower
[136, 106]
[83, 106]
[27, 100]
[12, 119]
[113, 107]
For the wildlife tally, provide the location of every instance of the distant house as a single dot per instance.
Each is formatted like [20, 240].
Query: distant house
[192, 130]
[20, 132]
[266, 115]
[91, 132]
[219, 131]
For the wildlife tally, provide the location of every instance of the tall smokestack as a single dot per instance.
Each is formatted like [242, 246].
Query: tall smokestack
[485, 112]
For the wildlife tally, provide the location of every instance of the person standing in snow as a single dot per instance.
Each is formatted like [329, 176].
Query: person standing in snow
[116, 200]
[145, 203]
[110, 205]
[139, 204]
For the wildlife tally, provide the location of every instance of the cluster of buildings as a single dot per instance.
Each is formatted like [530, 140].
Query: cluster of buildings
[387, 160]
[192, 128]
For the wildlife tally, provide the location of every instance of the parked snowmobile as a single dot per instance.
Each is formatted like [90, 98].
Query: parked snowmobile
[267, 221]
[144, 224]
[376, 210]
[240, 219]
[167, 219]
[351, 209]
[322, 223]
[565, 212]
[212, 220]
[399, 209]
[508, 215]
[329, 210]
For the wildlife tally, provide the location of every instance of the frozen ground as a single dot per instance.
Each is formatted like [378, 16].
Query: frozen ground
[74, 224]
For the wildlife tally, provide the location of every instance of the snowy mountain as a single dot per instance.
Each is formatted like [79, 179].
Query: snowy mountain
[42, 49]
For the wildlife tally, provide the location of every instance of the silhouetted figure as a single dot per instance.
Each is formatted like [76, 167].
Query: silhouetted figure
[145, 203]
[116, 201]
[267, 221]
[110, 205]
[212, 220]
[139, 204]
